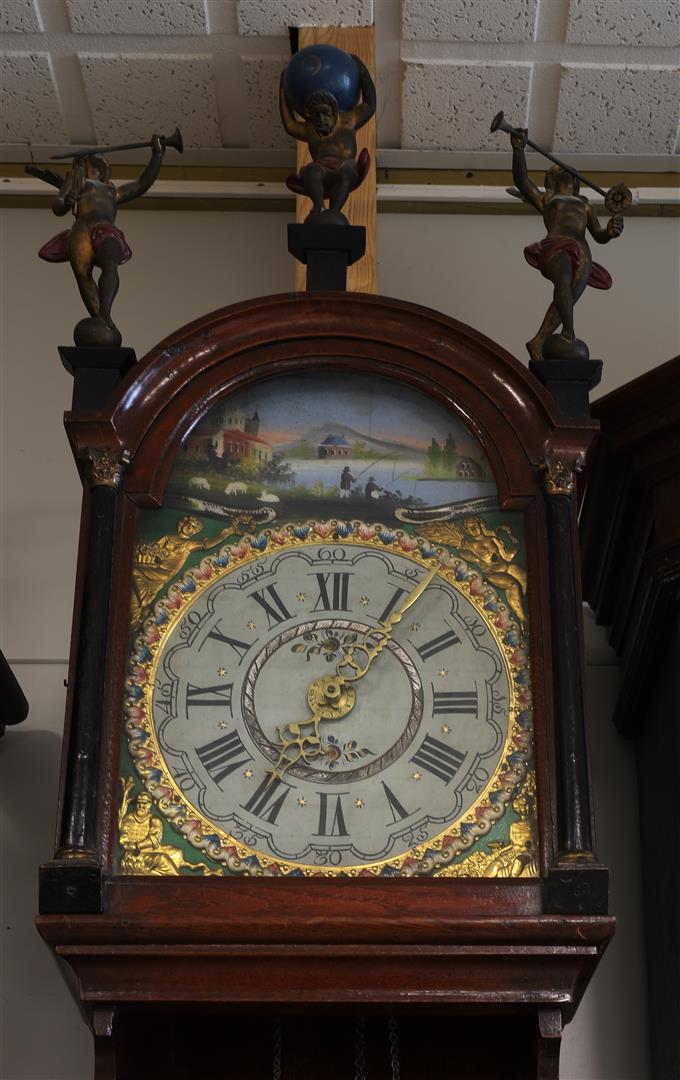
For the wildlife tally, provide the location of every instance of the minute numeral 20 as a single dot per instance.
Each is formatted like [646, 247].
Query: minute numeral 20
[444, 641]
[439, 759]
[223, 756]
[448, 703]
[337, 596]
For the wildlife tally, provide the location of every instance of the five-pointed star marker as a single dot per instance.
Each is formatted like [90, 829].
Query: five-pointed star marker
[301, 597]
[359, 803]
[446, 730]
[302, 801]
[443, 673]
[248, 773]
[221, 671]
[223, 724]
[415, 626]
[250, 625]
[416, 775]
[365, 600]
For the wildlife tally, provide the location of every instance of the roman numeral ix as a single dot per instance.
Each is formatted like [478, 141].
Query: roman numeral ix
[211, 696]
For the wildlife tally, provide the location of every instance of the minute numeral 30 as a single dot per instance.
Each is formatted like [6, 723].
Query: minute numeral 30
[438, 758]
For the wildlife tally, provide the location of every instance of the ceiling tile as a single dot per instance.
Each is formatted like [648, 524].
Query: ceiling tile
[270, 17]
[610, 109]
[18, 16]
[469, 20]
[30, 109]
[450, 105]
[130, 97]
[261, 75]
[622, 22]
[125, 17]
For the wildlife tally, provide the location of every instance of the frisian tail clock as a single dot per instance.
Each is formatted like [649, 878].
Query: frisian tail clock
[326, 751]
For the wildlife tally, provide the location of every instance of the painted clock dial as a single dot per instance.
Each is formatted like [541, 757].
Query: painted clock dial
[330, 696]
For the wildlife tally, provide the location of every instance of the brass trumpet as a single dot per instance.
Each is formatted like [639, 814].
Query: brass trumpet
[174, 140]
[617, 199]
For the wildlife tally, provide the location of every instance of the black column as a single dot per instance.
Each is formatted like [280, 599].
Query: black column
[576, 884]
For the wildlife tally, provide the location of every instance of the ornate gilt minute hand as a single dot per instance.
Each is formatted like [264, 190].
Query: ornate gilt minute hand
[332, 697]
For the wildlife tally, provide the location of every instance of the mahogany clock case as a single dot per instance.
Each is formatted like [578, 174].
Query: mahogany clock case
[298, 942]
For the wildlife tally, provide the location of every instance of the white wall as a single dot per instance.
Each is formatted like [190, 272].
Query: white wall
[186, 264]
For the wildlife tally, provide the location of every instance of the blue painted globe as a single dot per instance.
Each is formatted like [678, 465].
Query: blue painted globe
[321, 67]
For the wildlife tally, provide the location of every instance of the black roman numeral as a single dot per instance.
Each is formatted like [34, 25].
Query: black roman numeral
[398, 811]
[239, 647]
[267, 801]
[209, 695]
[338, 827]
[455, 701]
[444, 641]
[277, 611]
[398, 593]
[223, 756]
[438, 758]
[337, 598]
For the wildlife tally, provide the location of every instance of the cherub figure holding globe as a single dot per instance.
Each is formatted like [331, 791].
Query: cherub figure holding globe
[329, 126]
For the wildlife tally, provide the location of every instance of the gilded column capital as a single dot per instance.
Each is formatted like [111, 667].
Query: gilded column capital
[559, 473]
[104, 467]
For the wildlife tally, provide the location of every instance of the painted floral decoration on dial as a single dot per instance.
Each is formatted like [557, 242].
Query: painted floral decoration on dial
[333, 698]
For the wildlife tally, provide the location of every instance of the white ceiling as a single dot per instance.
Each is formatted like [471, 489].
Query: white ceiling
[598, 80]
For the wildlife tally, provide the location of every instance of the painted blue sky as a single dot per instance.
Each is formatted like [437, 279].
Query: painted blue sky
[378, 408]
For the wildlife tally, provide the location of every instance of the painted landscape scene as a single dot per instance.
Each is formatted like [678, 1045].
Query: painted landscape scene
[350, 444]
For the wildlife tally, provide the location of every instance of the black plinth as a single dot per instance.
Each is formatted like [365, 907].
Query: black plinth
[327, 251]
[577, 890]
[96, 373]
[569, 382]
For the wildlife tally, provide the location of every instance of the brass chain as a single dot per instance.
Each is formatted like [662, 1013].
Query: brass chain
[276, 1058]
[393, 1032]
[360, 1049]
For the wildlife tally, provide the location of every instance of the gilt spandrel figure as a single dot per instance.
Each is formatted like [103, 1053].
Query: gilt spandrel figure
[563, 256]
[330, 132]
[94, 241]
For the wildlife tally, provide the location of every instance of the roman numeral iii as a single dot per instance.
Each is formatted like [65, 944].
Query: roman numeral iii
[449, 703]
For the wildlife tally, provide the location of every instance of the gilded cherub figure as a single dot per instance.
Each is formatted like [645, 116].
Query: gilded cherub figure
[493, 550]
[563, 256]
[155, 562]
[330, 133]
[94, 241]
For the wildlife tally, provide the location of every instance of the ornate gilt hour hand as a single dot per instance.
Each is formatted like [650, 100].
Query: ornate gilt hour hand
[332, 697]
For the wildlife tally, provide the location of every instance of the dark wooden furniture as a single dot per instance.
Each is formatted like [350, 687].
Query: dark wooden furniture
[630, 530]
[483, 972]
